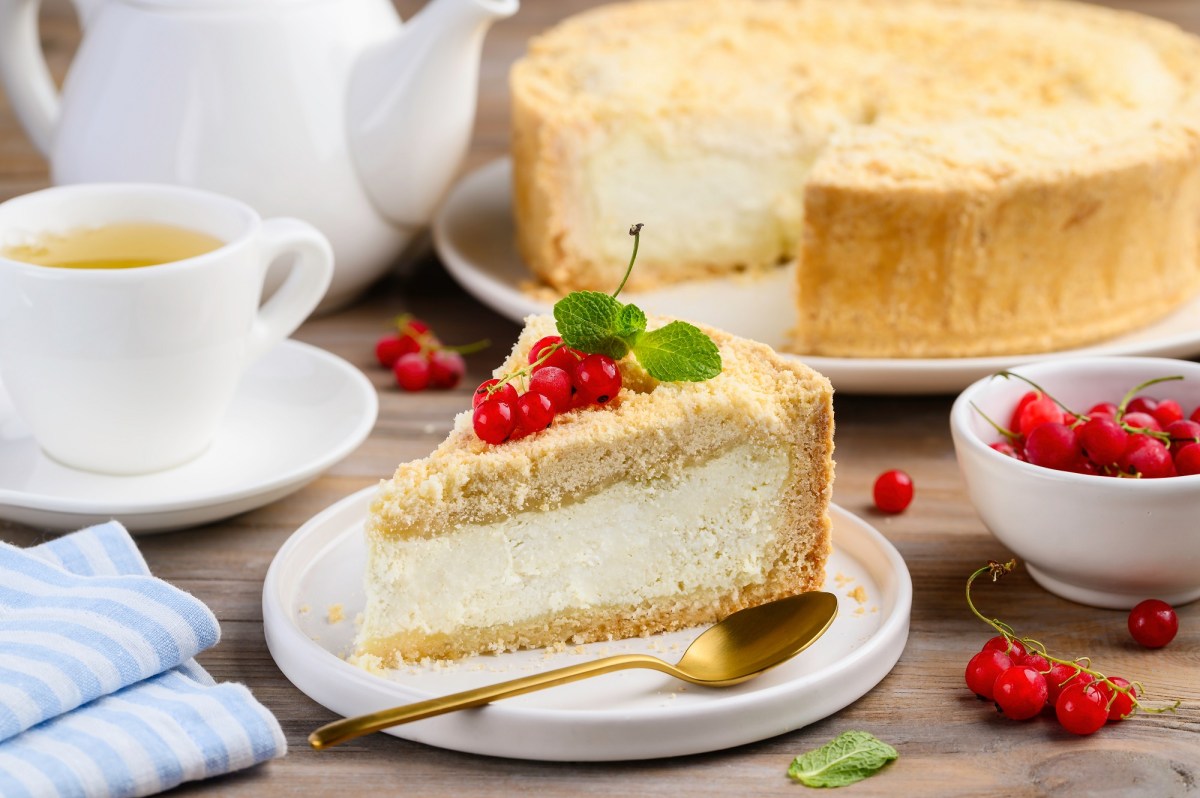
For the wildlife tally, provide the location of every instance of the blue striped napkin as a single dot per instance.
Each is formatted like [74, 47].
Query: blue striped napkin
[99, 694]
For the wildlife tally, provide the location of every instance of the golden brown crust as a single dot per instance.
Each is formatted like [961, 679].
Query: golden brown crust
[957, 200]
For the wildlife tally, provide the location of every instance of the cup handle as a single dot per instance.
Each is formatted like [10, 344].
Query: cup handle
[303, 288]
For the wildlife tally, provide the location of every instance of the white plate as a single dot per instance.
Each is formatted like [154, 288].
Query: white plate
[474, 236]
[316, 579]
[297, 411]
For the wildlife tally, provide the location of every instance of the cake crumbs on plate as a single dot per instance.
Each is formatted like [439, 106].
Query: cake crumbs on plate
[304, 609]
[859, 594]
[335, 614]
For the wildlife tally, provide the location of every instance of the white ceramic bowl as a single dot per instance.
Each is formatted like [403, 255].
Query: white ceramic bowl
[1096, 540]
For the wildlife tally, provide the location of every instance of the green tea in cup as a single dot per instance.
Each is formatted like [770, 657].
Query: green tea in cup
[120, 245]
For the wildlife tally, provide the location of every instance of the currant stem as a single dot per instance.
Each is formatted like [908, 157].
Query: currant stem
[467, 349]
[1009, 434]
[1081, 665]
[1006, 374]
[527, 370]
[636, 232]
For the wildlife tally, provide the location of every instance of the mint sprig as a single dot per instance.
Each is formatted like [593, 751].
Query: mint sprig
[597, 323]
[852, 756]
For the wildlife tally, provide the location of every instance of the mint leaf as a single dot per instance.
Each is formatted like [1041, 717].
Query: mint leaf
[850, 757]
[678, 352]
[590, 321]
[631, 323]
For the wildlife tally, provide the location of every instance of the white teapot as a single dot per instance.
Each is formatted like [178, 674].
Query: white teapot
[327, 110]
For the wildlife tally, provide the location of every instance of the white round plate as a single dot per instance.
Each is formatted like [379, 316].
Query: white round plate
[473, 234]
[297, 411]
[313, 592]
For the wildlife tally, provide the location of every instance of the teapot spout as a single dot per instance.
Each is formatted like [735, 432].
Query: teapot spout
[411, 106]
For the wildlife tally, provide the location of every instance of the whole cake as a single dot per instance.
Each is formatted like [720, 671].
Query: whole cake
[953, 177]
[673, 505]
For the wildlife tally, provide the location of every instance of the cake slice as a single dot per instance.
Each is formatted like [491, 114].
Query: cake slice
[672, 506]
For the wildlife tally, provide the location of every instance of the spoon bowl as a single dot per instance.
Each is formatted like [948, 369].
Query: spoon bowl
[738, 648]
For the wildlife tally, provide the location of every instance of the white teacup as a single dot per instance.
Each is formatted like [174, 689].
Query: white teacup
[129, 371]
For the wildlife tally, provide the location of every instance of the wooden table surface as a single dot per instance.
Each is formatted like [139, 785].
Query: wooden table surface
[949, 742]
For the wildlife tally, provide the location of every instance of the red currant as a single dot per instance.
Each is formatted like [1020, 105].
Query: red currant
[983, 670]
[1015, 422]
[1035, 661]
[1195, 416]
[1052, 445]
[1142, 421]
[1020, 692]
[554, 383]
[1038, 412]
[1103, 440]
[1081, 708]
[446, 369]
[1005, 645]
[1141, 404]
[597, 378]
[1062, 675]
[1187, 461]
[494, 420]
[414, 327]
[1103, 409]
[1167, 412]
[1008, 450]
[535, 411]
[1148, 458]
[1153, 623]
[389, 348]
[564, 357]
[1120, 705]
[412, 372]
[1182, 433]
[893, 491]
[505, 393]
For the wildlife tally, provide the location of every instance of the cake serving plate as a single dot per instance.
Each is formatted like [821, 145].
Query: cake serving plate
[474, 236]
[313, 592]
[257, 457]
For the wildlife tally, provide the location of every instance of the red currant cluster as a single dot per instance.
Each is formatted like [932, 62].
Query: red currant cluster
[558, 379]
[1022, 682]
[1138, 437]
[1023, 679]
[418, 359]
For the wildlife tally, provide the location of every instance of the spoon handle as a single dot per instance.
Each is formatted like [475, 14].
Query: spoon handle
[340, 731]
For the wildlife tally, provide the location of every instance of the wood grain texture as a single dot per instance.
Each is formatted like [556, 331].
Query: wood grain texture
[949, 743]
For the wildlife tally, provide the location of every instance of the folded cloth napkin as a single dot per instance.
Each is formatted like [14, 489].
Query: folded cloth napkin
[99, 694]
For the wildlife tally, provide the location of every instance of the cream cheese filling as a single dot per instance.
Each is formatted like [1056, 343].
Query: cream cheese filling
[710, 525]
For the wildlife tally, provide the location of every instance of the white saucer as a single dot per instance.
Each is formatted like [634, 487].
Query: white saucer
[317, 576]
[473, 234]
[297, 411]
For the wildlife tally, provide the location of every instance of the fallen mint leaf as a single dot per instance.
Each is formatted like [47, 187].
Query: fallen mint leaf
[850, 757]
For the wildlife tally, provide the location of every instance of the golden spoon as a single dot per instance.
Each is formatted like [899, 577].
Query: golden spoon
[738, 648]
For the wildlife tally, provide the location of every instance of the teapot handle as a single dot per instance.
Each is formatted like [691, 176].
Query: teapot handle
[27, 80]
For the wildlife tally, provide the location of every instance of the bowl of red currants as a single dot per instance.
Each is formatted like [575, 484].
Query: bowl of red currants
[1088, 469]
